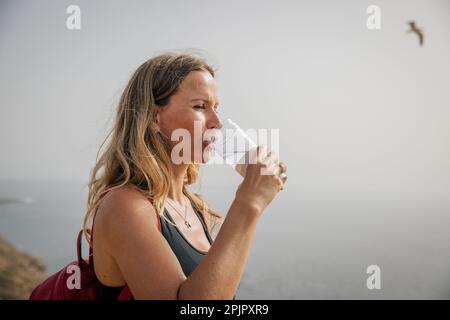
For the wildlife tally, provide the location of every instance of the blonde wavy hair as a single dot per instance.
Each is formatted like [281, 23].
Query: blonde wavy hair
[137, 154]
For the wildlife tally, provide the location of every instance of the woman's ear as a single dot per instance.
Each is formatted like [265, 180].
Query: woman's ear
[156, 121]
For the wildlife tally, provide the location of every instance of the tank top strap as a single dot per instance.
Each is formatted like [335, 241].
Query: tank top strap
[202, 220]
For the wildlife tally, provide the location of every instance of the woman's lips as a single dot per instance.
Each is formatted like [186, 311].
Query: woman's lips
[208, 145]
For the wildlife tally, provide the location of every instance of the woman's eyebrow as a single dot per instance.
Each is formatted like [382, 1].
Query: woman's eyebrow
[203, 99]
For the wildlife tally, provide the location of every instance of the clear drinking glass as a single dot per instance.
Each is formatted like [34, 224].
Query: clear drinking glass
[233, 146]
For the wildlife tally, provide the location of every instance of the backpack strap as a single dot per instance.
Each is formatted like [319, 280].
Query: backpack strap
[79, 243]
[91, 253]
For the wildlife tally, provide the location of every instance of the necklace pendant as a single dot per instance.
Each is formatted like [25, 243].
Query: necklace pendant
[187, 224]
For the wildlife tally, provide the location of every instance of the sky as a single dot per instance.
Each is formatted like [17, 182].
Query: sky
[363, 114]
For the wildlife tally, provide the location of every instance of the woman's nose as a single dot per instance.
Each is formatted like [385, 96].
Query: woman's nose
[215, 122]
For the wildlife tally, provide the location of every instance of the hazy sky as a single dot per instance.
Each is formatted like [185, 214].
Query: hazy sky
[363, 118]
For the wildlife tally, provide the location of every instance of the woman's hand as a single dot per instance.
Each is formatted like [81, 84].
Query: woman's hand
[264, 178]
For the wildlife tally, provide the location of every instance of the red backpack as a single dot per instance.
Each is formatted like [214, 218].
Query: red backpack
[59, 286]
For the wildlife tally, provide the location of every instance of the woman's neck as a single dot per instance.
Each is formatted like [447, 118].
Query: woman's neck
[177, 182]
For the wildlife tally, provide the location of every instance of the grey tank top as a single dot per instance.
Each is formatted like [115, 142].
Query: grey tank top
[188, 256]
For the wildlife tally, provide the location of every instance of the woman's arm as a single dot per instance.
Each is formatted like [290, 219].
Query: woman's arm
[219, 273]
[125, 230]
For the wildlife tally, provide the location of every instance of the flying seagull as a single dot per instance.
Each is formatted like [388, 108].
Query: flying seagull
[416, 30]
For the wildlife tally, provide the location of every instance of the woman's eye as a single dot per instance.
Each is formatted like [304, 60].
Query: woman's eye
[202, 106]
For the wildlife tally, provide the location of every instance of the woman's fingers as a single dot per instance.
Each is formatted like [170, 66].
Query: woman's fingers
[283, 167]
[269, 163]
[279, 168]
[282, 177]
[261, 152]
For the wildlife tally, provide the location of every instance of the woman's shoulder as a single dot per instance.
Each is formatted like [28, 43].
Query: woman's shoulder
[125, 196]
[124, 205]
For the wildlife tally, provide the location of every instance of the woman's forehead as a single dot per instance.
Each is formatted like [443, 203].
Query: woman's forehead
[199, 85]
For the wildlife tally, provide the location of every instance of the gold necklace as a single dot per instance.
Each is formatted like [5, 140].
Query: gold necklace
[185, 212]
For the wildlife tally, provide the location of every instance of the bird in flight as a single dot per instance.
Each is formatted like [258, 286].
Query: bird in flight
[416, 30]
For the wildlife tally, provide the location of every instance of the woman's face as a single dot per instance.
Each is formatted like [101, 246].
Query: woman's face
[192, 110]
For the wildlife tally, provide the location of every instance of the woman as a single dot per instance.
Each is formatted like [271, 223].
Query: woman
[135, 187]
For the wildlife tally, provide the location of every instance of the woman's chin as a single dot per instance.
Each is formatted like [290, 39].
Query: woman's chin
[205, 157]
